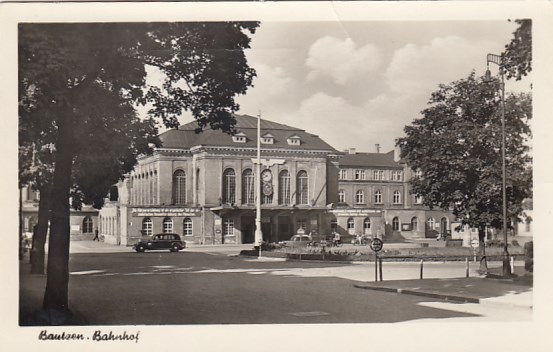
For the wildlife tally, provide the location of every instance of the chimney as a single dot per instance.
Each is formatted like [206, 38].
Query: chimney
[397, 153]
[351, 151]
[377, 147]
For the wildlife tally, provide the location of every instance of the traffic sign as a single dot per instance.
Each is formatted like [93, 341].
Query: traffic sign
[377, 244]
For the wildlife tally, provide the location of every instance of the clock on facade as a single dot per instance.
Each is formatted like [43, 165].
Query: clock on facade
[266, 176]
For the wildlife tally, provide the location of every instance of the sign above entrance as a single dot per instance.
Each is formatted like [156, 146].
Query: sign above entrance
[355, 212]
[165, 212]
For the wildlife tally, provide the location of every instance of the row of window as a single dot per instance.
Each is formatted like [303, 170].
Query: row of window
[248, 188]
[144, 188]
[378, 175]
[360, 197]
[187, 229]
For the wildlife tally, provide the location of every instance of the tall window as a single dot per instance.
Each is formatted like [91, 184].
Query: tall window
[302, 188]
[228, 227]
[378, 197]
[351, 226]
[187, 227]
[367, 226]
[397, 197]
[430, 222]
[87, 224]
[359, 197]
[396, 175]
[147, 227]
[418, 200]
[395, 224]
[378, 175]
[359, 174]
[167, 225]
[266, 193]
[414, 224]
[343, 174]
[284, 188]
[179, 187]
[229, 186]
[333, 225]
[341, 196]
[248, 189]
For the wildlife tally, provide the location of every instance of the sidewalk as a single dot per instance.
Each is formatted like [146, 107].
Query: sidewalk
[515, 292]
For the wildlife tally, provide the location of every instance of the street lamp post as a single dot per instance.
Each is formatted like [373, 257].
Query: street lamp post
[497, 59]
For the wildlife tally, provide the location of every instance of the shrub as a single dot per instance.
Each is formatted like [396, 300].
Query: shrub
[529, 256]
[496, 243]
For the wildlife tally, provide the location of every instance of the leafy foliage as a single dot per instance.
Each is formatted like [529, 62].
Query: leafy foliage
[517, 58]
[457, 146]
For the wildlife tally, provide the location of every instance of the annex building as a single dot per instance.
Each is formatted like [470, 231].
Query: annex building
[202, 186]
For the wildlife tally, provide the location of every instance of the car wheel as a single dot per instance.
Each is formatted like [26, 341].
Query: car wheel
[175, 247]
[140, 249]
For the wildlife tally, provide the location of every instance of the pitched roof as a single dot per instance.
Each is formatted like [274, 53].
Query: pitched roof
[369, 160]
[185, 136]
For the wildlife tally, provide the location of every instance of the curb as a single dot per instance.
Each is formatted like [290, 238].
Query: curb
[445, 297]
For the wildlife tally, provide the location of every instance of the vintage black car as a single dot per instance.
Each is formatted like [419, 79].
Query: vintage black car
[170, 241]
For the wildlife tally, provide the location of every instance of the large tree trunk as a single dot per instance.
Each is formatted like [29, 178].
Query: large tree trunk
[57, 284]
[40, 232]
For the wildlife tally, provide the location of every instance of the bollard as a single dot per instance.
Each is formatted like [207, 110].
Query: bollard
[467, 262]
[422, 263]
[380, 262]
[512, 265]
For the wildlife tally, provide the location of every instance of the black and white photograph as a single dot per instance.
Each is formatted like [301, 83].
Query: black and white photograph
[281, 176]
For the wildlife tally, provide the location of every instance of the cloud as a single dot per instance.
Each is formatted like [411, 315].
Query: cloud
[422, 68]
[340, 59]
[344, 125]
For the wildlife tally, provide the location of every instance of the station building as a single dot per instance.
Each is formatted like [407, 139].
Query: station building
[202, 186]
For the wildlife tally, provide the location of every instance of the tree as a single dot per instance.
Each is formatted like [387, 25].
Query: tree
[517, 58]
[77, 76]
[457, 147]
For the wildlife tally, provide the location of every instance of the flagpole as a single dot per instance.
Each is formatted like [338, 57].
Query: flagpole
[258, 232]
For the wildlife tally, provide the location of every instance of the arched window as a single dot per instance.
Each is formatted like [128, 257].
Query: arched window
[248, 189]
[430, 222]
[367, 226]
[87, 224]
[187, 227]
[378, 197]
[167, 225]
[147, 227]
[397, 197]
[284, 188]
[341, 196]
[351, 226]
[414, 224]
[302, 188]
[359, 197]
[395, 224]
[229, 187]
[179, 187]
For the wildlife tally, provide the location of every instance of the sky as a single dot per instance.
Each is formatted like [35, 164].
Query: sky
[357, 84]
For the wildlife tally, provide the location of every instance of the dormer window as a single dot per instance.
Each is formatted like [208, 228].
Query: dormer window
[294, 140]
[240, 137]
[267, 138]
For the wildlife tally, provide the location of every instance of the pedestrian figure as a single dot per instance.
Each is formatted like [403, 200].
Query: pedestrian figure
[96, 236]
